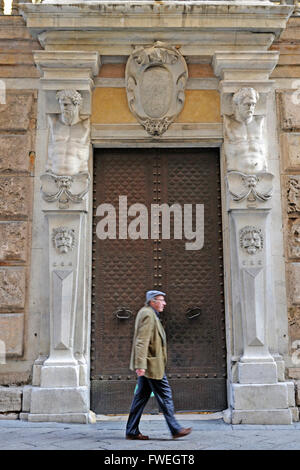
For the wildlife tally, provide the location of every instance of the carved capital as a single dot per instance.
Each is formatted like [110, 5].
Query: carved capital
[155, 82]
[64, 189]
[252, 188]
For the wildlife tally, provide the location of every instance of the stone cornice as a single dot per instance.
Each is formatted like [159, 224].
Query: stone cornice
[193, 16]
[228, 64]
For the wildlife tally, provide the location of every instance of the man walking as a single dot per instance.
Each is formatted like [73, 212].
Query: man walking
[148, 359]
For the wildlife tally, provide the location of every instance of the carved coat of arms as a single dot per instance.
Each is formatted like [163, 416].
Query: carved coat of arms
[156, 77]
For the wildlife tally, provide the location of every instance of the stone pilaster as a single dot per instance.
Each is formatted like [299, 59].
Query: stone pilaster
[61, 391]
[259, 393]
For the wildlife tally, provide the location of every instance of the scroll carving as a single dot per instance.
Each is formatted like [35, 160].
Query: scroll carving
[155, 82]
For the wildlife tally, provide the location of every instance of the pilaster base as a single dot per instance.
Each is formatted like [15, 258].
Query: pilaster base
[260, 396]
[257, 373]
[262, 416]
[67, 405]
[261, 404]
[60, 376]
[81, 418]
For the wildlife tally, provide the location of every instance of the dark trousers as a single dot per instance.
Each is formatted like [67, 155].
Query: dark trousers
[163, 395]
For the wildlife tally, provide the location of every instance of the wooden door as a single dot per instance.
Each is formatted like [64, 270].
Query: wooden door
[124, 269]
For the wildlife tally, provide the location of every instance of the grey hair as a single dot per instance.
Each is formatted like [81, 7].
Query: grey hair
[242, 93]
[74, 95]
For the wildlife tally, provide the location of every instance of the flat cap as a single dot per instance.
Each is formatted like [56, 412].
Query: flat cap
[153, 293]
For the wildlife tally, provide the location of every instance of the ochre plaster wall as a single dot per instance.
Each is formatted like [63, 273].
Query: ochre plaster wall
[110, 107]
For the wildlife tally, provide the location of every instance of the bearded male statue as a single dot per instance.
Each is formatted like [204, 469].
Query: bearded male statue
[244, 140]
[68, 148]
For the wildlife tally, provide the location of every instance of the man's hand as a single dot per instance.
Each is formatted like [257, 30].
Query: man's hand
[140, 372]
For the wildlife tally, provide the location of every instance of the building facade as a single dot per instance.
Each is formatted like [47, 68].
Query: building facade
[109, 109]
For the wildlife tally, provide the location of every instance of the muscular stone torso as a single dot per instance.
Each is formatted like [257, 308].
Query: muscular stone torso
[244, 145]
[68, 150]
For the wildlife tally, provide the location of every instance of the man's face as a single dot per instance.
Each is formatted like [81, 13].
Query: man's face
[69, 110]
[246, 108]
[252, 242]
[158, 303]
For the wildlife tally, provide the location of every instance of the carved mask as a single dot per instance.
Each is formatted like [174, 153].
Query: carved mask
[251, 240]
[63, 240]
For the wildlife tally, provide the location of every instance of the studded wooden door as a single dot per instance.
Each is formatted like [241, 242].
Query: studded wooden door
[125, 268]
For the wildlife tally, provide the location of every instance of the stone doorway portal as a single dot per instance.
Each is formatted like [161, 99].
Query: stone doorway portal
[123, 269]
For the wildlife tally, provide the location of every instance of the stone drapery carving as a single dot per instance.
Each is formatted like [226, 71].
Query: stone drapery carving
[251, 239]
[65, 189]
[68, 148]
[63, 239]
[243, 134]
[155, 82]
[256, 187]
[293, 195]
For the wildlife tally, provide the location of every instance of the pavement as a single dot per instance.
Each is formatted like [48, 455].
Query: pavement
[210, 432]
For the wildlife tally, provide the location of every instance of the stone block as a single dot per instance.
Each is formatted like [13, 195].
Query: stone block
[260, 397]
[11, 335]
[26, 400]
[295, 413]
[280, 371]
[290, 150]
[15, 196]
[12, 291]
[14, 153]
[60, 376]
[10, 399]
[293, 237]
[262, 416]
[294, 334]
[289, 110]
[81, 418]
[53, 401]
[291, 393]
[297, 383]
[23, 416]
[257, 373]
[36, 375]
[9, 416]
[294, 283]
[13, 241]
[294, 373]
[16, 113]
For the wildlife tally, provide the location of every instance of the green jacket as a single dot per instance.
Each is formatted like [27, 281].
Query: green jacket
[149, 348]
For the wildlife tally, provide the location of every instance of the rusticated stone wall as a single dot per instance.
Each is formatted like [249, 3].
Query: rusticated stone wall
[287, 76]
[18, 113]
[289, 130]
